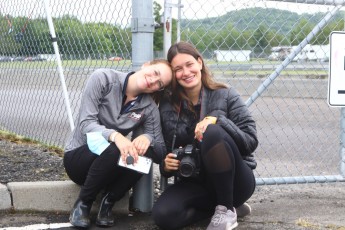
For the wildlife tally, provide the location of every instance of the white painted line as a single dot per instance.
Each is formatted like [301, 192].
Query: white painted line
[39, 226]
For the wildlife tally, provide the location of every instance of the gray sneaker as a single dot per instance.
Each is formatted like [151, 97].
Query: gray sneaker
[243, 210]
[223, 219]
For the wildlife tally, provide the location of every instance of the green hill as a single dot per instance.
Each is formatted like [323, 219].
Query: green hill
[282, 21]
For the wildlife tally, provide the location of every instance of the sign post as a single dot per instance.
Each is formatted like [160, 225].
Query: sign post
[336, 86]
[336, 80]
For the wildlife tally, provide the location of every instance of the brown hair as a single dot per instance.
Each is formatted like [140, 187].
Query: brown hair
[157, 96]
[177, 93]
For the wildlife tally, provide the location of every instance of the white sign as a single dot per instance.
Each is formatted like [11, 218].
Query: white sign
[336, 80]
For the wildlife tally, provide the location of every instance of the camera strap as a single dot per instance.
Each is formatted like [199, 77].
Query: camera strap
[175, 129]
[178, 117]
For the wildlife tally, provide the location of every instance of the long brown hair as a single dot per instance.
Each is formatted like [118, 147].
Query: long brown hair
[177, 91]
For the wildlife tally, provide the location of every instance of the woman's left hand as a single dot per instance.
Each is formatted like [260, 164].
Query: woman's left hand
[141, 143]
[202, 126]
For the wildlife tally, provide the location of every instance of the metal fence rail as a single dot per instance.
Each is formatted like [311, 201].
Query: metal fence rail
[275, 53]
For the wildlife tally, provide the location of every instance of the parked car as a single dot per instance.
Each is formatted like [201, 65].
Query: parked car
[5, 59]
[279, 53]
[115, 59]
[35, 59]
[18, 58]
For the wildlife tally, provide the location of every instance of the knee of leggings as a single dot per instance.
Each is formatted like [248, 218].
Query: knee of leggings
[109, 152]
[213, 130]
[213, 134]
[161, 217]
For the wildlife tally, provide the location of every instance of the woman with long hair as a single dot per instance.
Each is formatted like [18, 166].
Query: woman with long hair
[210, 136]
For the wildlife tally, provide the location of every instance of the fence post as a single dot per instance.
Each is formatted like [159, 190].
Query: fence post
[58, 60]
[342, 136]
[142, 32]
[167, 26]
[342, 142]
[269, 80]
[142, 51]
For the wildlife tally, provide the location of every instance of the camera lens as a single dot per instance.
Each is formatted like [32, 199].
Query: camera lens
[187, 166]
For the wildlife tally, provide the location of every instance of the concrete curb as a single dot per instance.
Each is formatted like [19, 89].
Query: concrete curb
[43, 196]
[290, 206]
[5, 198]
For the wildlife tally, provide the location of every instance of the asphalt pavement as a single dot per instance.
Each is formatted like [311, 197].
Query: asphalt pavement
[293, 206]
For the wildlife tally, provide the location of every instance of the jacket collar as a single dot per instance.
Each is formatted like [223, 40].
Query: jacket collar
[204, 102]
[145, 99]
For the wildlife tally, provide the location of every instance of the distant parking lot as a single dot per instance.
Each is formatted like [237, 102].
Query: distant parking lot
[19, 58]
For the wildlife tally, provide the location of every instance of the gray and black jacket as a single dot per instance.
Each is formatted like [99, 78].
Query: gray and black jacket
[100, 112]
[231, 112]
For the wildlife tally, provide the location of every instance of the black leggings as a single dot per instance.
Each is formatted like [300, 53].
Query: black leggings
[95, 173]
[226, 180]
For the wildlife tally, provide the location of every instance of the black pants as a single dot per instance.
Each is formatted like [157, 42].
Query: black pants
[225, 180]
[96, 173]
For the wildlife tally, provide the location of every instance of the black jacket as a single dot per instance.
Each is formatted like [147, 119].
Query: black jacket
[231, 112]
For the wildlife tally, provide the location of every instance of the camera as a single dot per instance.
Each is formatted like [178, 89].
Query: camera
[189, 158]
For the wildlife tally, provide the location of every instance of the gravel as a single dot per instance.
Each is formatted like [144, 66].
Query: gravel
[25, 162]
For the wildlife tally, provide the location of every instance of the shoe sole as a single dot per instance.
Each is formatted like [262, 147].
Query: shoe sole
[79, 225]
[104, 224]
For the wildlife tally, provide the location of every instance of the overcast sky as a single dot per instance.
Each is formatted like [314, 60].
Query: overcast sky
[219, 7]
[118, 11]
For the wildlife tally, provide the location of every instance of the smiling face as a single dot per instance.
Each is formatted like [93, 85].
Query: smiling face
[155, 77]
[187, 71]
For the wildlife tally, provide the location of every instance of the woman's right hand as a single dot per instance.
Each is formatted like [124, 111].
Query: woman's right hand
[126, 147]
[171, 163]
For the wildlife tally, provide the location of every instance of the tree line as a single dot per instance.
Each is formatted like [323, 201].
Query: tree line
[247, 29]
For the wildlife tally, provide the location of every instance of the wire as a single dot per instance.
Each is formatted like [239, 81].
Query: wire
[27, 20]
[9, 24]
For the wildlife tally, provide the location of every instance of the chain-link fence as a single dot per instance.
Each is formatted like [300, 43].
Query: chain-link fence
[275, 53]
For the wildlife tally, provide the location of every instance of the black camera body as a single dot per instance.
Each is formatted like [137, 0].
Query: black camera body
[189, 158]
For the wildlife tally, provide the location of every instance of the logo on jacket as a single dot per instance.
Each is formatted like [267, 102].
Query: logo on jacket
[135, 116]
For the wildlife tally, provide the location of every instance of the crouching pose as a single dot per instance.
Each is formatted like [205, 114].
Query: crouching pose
[114, 104]
[210, 136]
